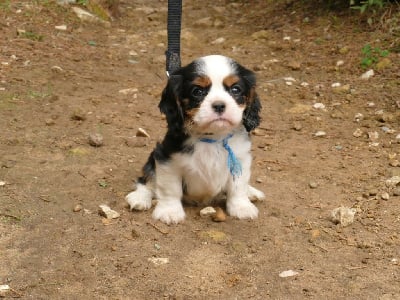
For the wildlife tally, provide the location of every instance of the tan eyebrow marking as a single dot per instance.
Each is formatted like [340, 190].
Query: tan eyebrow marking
[231, 80]
[203, 81]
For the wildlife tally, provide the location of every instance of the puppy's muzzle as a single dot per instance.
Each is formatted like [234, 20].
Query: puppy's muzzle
[218, 107]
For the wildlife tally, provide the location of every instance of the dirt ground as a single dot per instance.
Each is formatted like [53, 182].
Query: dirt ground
[59, 86]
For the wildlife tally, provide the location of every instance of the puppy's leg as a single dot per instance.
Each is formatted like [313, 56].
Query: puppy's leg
[169, 207]
[238, 203]
[140, 199]
[254, 194]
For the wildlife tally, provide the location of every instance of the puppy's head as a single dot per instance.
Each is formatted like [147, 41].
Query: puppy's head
[211, 95]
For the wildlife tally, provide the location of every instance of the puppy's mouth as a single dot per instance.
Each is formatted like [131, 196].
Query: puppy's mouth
[221, 122]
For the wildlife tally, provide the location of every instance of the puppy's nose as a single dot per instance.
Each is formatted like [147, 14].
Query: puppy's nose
[218, 107]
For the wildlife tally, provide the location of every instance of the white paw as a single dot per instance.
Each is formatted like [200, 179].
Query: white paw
[254, 194]
[140, 199]
[169, 212]
[242, 209]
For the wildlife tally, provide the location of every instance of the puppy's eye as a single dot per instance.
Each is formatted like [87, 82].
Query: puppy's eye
[235, 90]
[199, 91]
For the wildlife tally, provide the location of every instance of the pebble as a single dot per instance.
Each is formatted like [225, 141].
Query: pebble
[393, 181]
[56, 69]
[158, 260]
[107, 212]
[384, 63]
[262, 34]
[341, 89]
[313, 184]
[373, 135]
[49, 122]
[358, 117]
[218, 41]
[385, 196]
[396, 191]
[319, 106]
[61, 27]
[288, 273]
[219, 216]
[297, 126]
[339, 63]
[128, 91]
[96, 140]
[343, 215]
[367, 75]
[2, 183]
[358, 132]
[142, 133]
[77, 208]
[78, 115]
[320, 133]
[207, 211]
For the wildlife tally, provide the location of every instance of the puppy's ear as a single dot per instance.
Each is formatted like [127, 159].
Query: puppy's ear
[170, 104]
[251, 114]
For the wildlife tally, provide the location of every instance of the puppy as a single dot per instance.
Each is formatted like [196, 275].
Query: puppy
[210, 106]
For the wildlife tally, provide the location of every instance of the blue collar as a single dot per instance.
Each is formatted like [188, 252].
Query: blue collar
[234, 165]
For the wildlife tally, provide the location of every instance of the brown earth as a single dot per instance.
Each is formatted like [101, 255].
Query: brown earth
[57, 87]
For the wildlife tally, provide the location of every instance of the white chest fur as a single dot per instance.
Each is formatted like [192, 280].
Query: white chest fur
[205, 172]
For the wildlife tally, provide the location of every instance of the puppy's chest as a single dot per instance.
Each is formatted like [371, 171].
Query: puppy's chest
[204, 171]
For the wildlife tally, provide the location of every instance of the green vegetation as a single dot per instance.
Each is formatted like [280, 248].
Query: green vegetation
[371, 55]
[363, 6]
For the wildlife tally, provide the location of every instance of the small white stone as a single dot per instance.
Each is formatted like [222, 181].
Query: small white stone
[319, 106]
[289, 79]
[158, 260]
[393, 181]
[358, 117]
[2, 183]
[142, 133]
[4, 287]
[336, 84]
[304, 84]
[133, 53]
[370, 104]
[218, 41]
[61, 27]
[358, 132]
[368, 74]
[207, 211]
[339, 63]
[385, 196]
[128, 91]
[373, 135]
[343, 215]
[288, 273]
[287, 38]
[289, 83]
[320, 133]
[57, 69]
[107, 212]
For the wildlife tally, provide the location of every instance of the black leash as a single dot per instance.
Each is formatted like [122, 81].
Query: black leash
[173, 58]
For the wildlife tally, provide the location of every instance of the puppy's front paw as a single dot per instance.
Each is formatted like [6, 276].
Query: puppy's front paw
[254, 194]
[242, 209]
[170, 212]
[140, 199]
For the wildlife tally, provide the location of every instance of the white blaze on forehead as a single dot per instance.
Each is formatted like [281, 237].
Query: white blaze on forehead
[217, 68]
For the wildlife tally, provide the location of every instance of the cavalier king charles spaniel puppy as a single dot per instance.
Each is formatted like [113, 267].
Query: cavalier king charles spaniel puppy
[210, 106]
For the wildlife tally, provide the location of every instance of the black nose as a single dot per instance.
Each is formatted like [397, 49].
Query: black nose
[218, 107]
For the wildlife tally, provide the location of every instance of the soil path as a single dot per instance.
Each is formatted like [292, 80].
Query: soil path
[57, 87]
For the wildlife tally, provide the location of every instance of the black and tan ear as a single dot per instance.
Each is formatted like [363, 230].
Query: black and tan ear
[170, 105]
[251, 114]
